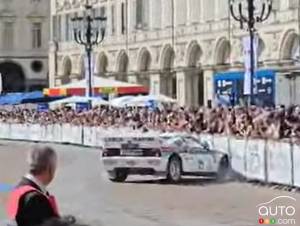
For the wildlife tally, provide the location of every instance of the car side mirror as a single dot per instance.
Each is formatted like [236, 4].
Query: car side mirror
[205, 145]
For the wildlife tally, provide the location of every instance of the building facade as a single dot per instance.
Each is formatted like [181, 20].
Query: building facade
[176, 47]
[24, 42]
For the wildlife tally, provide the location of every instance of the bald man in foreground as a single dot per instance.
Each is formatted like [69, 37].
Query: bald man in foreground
[30, 204]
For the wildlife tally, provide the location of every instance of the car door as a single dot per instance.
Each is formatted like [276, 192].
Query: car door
[197, 158]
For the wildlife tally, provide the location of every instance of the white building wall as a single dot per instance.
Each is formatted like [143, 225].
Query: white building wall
[198, 25]
[23, 14]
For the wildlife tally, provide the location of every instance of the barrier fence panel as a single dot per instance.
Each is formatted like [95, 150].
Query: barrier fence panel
[296, 159]
[4, 130]
[89, 136]
[76, 135]
[44, 137]
[238, 155]
[49, 130]
[34, 132]
[57, 133]
[255, 159]
[13, 135]
[279, 162]
[221, 143]
[19, 132]
[67, 133]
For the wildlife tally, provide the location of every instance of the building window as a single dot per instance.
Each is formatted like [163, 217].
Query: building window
[113, 28]
[59, 28]
[8, 35]
[67, 27]
[142, 13]
[124, 18]
[36, 35]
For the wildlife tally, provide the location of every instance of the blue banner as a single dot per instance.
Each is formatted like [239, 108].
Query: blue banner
[43, 107]
[82, 107]
[230, 85]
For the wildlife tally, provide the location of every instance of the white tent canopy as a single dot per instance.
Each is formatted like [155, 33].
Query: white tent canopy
[121, 101]
[143, 101]
[99, 82]
[78, 99]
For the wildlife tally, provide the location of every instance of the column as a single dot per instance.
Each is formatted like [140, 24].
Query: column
[155, 84]
[52, 63]
[192, 89]
[180, 12]
[166, 13]
[208, 85]
[195, 92]
[118, 17]
[132, 78]
[181, 88]
[155, 14]
[284, 89]
[194, 11]
[131, 15]
[109, 18]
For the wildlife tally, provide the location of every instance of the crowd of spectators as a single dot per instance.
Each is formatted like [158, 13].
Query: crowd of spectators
[255, 122]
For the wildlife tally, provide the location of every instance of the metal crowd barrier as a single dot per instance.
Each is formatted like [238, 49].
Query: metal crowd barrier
[256, 159]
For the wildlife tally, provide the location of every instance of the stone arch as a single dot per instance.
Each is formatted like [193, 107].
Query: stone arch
[102, 63]
[194, 84]
[143, 67]
[13, 77]
[222, 52]
[193, 54]
[144, 60]
[122, 66]
[168, 80]
[289, 42]
[167, 58]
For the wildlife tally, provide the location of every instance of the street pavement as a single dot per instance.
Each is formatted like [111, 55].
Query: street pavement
[83, 190]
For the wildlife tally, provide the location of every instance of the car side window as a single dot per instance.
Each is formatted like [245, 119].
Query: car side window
[177, 141]
[193, 142]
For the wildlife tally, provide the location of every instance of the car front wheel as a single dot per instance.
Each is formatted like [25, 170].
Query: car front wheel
[118, 175]
[174, 169]
[223, 169]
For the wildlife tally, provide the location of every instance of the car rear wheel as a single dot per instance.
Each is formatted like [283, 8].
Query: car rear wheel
[118, 175]
[174, 169]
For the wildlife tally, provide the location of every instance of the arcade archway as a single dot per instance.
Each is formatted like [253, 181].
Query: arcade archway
[144, 64]
[168, 81]
[122, 67]
[13, 77]
[194, 76]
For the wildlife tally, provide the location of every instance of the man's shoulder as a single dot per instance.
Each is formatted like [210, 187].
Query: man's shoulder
[34, 198]
[26, 182]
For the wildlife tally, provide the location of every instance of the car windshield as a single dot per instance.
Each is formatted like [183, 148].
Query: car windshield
[172, 140]
[193, 142]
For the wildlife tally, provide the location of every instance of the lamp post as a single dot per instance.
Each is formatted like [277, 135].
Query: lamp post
[252, 17]
[89, 31]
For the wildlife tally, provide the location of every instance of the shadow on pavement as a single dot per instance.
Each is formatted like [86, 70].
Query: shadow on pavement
[184, 181]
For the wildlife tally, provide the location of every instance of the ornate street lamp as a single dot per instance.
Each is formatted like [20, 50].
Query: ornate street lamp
[252, 17]
[89, 31]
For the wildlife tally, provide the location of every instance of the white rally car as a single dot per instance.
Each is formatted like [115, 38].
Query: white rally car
[170, 155]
